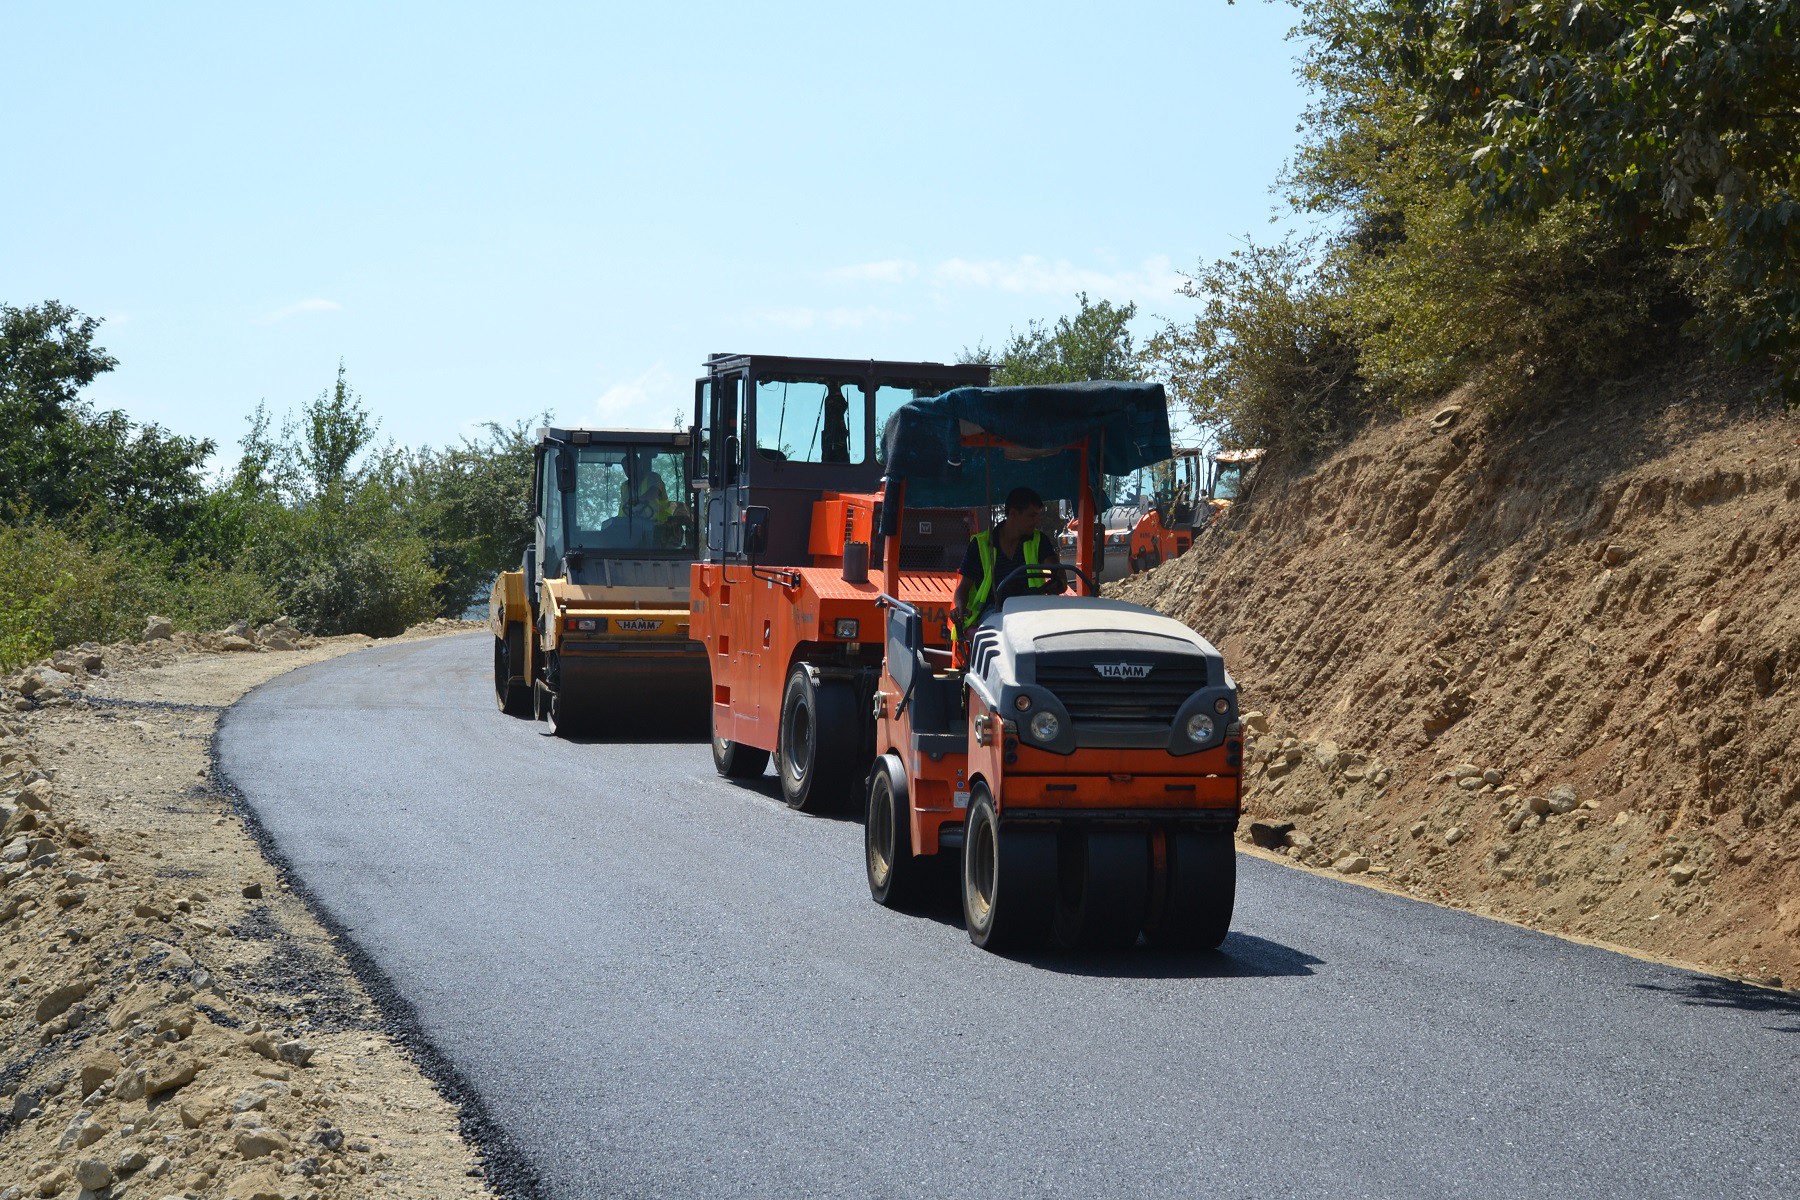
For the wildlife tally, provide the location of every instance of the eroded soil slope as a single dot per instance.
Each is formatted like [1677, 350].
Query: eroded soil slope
[1545, 667]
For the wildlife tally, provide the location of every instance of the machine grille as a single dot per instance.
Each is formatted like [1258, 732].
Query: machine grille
[933, 539]
[1093, 698]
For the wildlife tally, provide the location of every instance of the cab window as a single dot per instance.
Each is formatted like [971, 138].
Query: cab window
[811, 420]
[631, 498]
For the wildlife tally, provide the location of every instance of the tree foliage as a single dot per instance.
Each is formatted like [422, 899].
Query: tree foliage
[1264, 363]
[1095, 343]
[58, 456]
[103, 520]
[1418, 279]
[1671, 123]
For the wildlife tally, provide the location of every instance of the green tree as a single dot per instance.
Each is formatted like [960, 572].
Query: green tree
[472, 504]
[326, 519]
[59, 457]
[1265, 363]
[1670, 123]
[1095, 343]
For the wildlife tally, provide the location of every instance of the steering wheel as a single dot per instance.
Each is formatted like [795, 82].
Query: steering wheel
[1046, 569]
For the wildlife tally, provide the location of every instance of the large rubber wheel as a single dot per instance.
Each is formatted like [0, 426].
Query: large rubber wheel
[734, 760]
[549, 708]
[1008, 880]
[1103, 889]
[896, 878]
[816, 746]
[1201, 892]
[514, 699]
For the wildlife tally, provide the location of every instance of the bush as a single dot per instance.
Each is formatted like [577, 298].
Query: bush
[378, 588]
[1264, 364]
[60, 585]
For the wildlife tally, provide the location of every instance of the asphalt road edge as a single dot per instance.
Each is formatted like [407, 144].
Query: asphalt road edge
[508, 1169]
[1382, 885]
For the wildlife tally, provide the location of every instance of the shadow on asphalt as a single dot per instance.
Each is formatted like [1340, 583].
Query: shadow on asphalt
[636, 730]
[1708, 991]
[769, 786]
[1242, 956]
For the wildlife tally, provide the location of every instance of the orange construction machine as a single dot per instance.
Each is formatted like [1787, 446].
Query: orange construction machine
[1168, 527]
[1080, 758]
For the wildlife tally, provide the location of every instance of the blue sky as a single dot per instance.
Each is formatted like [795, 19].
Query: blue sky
[488, 211]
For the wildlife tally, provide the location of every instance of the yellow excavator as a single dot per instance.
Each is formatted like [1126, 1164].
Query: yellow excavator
[594, 624]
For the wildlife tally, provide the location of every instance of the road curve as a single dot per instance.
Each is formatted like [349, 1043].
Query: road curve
[661, 983]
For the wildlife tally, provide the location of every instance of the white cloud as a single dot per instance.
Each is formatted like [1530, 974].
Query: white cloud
[802, 317]
[299, 309]
[1029, 274]
[889, 270]
[648, 400]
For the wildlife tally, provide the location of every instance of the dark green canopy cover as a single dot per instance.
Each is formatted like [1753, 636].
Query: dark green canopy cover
[1126, 426]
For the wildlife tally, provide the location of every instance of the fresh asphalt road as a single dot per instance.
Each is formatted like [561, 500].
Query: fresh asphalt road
[661, 983]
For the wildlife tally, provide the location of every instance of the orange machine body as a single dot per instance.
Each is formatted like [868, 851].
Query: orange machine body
[1027, 783]
[757, 622]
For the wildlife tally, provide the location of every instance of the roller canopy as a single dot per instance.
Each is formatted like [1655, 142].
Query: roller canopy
[1126, 426]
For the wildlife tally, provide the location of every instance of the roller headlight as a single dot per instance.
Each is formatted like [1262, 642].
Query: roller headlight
[1200, 728]
[1044, 727]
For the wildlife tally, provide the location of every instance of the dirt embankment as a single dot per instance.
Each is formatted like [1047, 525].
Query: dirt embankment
[1545, 668]
[172, 1021]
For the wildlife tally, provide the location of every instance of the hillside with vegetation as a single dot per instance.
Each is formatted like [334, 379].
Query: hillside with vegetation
[1513, 597]
[103, 520]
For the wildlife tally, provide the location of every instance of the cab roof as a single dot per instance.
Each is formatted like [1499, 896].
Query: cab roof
[582, 435]
[973, 445]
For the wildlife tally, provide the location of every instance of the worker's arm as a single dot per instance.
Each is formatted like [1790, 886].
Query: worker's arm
[971, 574]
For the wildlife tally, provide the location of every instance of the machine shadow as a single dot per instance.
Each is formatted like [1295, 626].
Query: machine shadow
[1241, 956]
[769, 786]
[1710, 991]
[639, 728]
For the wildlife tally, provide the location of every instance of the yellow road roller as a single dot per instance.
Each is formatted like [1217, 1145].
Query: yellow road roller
[593, 627]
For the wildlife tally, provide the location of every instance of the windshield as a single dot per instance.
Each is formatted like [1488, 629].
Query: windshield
[810, 420]
[815, 419]
[1229, 481]
[631, 498]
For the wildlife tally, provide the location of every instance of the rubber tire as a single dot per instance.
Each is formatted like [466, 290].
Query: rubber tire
[1008, 880]
[1201, 892]
[514, 699]
[816, 745]
[1103, 889]
[896, 878]
[734, 760]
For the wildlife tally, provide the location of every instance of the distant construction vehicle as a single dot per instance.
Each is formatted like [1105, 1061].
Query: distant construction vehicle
[595, 621]
[1079, 758]
[1168, 526]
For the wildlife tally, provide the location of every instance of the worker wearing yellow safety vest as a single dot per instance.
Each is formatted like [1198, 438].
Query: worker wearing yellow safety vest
[645, 496]
[991, 557]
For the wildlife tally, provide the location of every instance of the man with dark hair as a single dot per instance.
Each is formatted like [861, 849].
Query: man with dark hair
[993, 556]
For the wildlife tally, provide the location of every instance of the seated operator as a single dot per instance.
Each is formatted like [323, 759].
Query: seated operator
[644, 506]
[835, 437]
[993, 556]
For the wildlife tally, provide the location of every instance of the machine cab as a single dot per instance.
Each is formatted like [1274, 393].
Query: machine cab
[779, 434]
[613, 508]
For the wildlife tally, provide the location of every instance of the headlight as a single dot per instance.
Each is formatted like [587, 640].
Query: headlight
[847, 628]
[1200, 728]
[1044, 727]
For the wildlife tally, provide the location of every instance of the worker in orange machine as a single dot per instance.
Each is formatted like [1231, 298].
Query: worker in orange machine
[994, 555]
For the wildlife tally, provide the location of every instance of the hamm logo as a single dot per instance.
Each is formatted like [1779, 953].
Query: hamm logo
[639, 626]
[1124, 670]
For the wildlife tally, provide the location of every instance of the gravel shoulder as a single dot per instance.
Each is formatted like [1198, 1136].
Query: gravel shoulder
[175, 1021]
